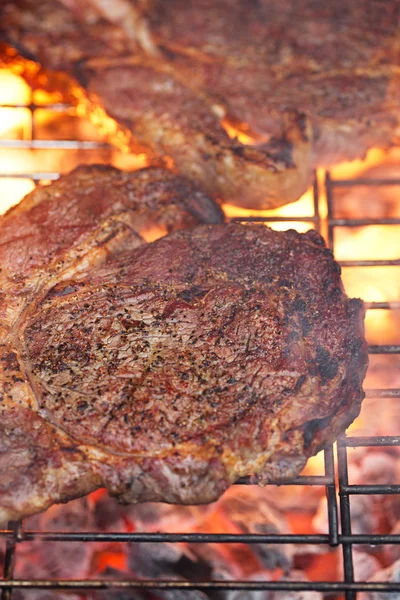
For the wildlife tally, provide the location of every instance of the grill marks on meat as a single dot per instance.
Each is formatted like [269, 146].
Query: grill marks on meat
[171, 369]
[316, 85]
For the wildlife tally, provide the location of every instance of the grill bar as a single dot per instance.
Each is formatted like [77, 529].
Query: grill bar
[131, 584]
[274, 219]
[345, 517]
[364, 222]
[385, 349]
[368, 181]
[395, 305]
[382, 393]
[358, 441]
[370, 489]
[330, 491]
[189, 538]
[205, 538]
[302, 480]
[10, 558]
[369, 263]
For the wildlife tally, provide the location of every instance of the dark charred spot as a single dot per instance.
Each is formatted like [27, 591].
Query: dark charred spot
[315, 237]
[306, 326]
[335, 294]
[298, 305]
[357, 349]
[302, 122]
[68, 449]
[285, 283]
[81, 72]
[61, 289]
[192, 293]
[299, 383]
[312, 428]
[327, 365]
[356, 382]
[327, 252]
[10, 361]
[337, 268]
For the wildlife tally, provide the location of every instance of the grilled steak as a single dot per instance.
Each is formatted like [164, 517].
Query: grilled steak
[257, 66]
[173, 368]
[309, 83]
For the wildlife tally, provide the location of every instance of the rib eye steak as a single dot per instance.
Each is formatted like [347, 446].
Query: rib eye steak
[168, 370]
[308, 83]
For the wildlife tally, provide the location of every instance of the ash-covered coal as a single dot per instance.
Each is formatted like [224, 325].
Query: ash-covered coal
[42, 559]
[390, 574]
[369, 513]
[241, 510]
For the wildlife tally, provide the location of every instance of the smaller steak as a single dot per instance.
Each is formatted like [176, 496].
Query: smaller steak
[84, 217]
[179, 366]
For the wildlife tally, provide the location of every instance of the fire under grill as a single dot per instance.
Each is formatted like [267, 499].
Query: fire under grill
[335, 479]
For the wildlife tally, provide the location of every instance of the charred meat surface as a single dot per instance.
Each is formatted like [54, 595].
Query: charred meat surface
[307, 84]
[55, 233]
[97, 207]
[165, 371]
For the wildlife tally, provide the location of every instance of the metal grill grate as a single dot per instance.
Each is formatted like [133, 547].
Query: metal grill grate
[338, 535]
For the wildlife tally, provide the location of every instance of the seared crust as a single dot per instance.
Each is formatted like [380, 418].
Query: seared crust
[56, 232]
[53, 220]
[179, 366]
[321, 80]
[157, 102]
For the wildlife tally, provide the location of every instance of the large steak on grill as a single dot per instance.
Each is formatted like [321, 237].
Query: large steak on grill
[170, 369]
[310, 83]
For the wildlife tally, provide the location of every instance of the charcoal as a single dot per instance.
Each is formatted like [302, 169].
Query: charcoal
[116, 574]
[158, 559]
[392, 551]
[181, 595]
[295, 595]
[149, 516]
[250, 510]
[168, 561]
[272, 556]
[390, 574]
[365, 565]
[271, 595]
[379, 468]
[118, 595]
[108, 514]
[244, 594]
[44, 595]
[373, 513]
[42, 559]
